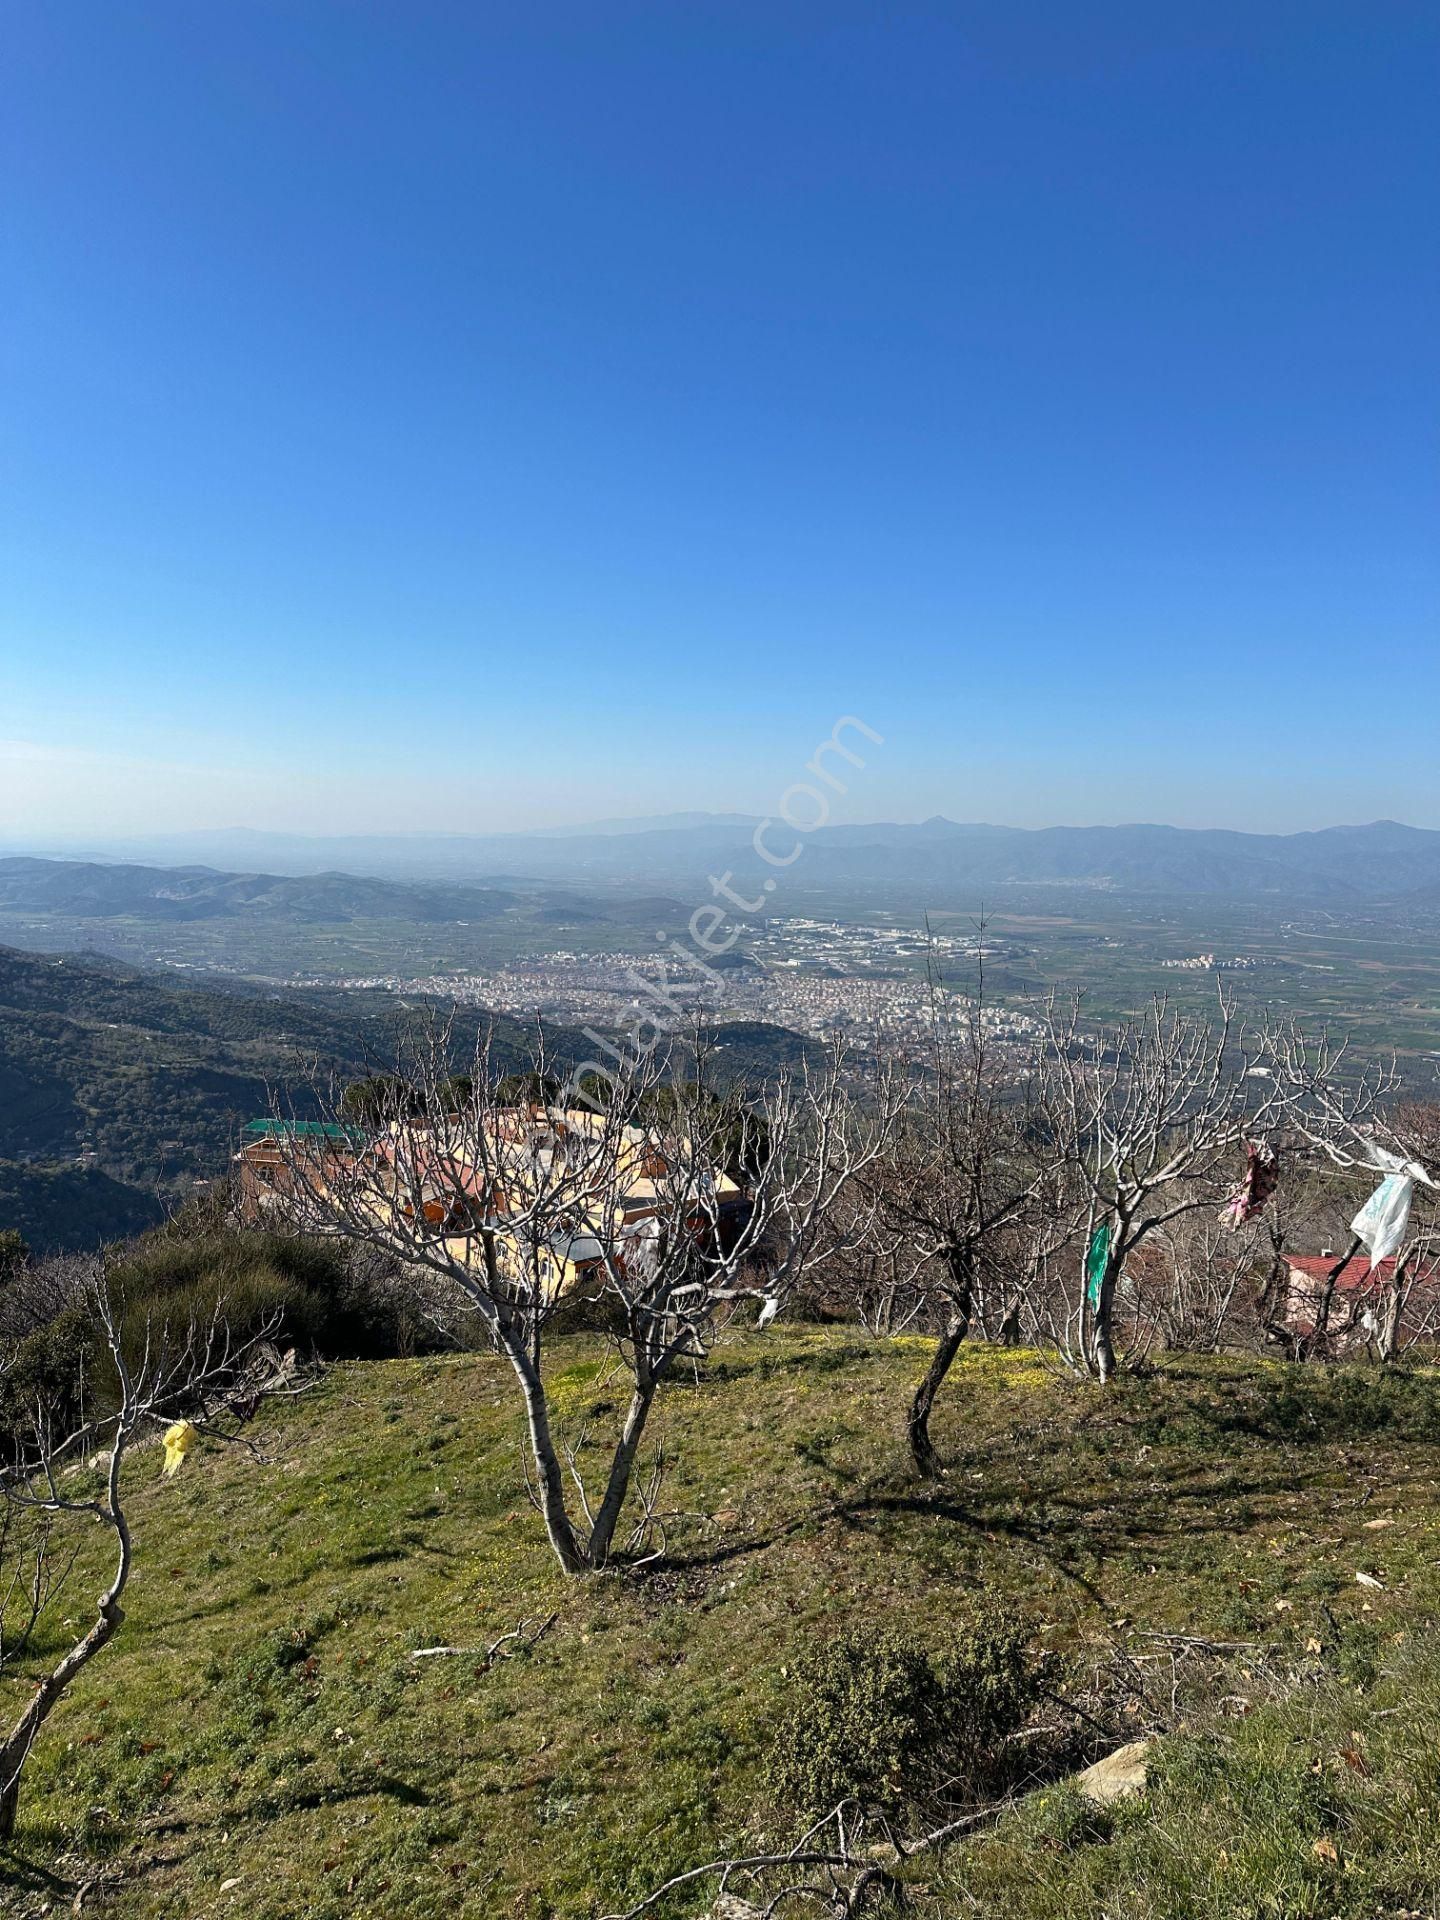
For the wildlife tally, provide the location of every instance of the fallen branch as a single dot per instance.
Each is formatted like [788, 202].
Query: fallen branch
[488, 1655]
[844, 1857]
[1197, 1643]
[750, 1863]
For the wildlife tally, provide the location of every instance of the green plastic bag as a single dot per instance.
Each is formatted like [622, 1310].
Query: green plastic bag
[1095, 1261]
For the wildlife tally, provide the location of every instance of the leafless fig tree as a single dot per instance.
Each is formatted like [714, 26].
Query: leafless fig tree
[1307, 1211]
[875, 1272]
[966, 1172]
[1407, 1313]
[1340, 1107]
[662, 1201]
[55, 1478]
[1147, 1115]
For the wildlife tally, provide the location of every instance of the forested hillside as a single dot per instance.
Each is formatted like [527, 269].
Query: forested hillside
[120, 1088]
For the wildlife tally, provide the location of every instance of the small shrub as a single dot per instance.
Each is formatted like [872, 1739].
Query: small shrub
[873, 1716]
[321, 1297]
[989, 1683]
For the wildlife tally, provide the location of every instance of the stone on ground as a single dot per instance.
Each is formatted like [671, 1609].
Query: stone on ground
[1118, 1774]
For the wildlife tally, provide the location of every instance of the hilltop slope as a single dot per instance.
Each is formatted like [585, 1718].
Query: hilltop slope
[259, 1741]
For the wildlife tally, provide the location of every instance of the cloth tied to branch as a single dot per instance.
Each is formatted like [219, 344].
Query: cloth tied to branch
[1262, 1176]
[179, 1439]
[1095, 1262]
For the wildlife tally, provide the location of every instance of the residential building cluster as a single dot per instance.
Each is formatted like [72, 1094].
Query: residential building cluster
[1210, 963]
[825, 981]
[560, 1199]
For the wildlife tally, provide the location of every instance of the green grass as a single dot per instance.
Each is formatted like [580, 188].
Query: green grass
[259, 1720]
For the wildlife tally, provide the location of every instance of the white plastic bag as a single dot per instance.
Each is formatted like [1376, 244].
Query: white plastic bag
[1382, 1221]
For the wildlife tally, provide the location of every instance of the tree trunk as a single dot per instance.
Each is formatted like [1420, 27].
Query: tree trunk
[1102, 1338]
[602, 1534]
[1387, 1333]
[21, 1738]
[1008, 1334]
[884, 1315]
[109, 1616]
[558, 1524]
[922, 1450]
[1272, 1302]
[1319, 1336]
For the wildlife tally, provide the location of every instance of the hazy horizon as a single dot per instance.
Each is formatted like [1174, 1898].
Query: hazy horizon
[69, 795]
[76, 847]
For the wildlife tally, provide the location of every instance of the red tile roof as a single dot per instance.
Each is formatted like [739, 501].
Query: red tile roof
[1356, 1273]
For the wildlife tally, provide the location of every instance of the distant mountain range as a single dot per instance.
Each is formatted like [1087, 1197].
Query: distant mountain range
[1383, 860]
[87, 889]
[470, 876]
[650, 823]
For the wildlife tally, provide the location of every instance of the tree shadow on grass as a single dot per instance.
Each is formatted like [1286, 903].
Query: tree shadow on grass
[656, 1574]
[387, 1786]
[1196, 1451]
[725, 1367]
[262, 1808]
[19, 1871]
[1069, 1528]
[1129, 1505]
[1319, 1406]
[981, 1525]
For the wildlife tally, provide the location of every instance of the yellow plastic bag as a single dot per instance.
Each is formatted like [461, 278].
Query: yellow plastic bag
[178, 1441]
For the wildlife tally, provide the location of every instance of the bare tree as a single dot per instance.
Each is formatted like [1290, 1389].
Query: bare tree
[966, 1166]
[1198, 1280]
[1146, 1114]
[876, 1272]
[1303, 1213]
[204, 1375]
[664, 1202]
[35, 1293]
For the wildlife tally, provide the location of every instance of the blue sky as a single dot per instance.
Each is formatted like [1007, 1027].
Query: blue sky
[482, 415]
